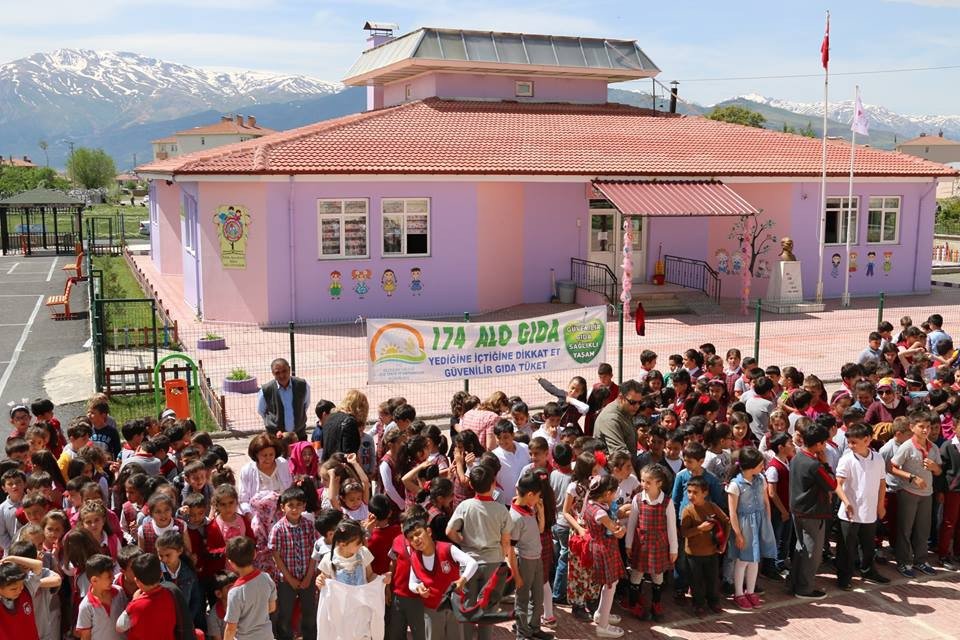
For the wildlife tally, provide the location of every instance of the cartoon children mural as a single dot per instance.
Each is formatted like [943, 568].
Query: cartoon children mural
[737, 262]
[871, 259]
[853, 262]
[360, 277]
[763, 268]
[336, 285]
[835, 265]
[887, 262]
[416, 281]
[723, 261]
[388, 281]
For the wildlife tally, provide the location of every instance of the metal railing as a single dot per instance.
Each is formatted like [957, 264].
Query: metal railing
[693, 274]
[594, 276]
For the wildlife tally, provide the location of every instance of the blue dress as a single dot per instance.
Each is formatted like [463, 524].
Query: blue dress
[755, 526]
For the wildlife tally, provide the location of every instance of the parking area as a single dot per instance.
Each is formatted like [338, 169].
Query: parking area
[31, 342]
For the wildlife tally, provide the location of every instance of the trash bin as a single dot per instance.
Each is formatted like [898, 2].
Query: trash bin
[566, 291]
[177, 396]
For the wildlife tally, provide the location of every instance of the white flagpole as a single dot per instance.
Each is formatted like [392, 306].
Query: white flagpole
[823, 179]
[845, 301]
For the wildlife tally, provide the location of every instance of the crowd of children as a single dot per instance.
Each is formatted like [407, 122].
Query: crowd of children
[695, 480]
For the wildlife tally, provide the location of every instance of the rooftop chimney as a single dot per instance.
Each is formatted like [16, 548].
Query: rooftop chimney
[251, 122]
[380, 32]
[27, 158]
[673, 96]
[239, 120]
[225, 118]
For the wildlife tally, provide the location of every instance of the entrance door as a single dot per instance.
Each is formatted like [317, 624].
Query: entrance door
[606, 241]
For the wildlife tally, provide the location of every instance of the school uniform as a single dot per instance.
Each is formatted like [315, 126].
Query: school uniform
[437, 572]
[526, 540]
[862, 479]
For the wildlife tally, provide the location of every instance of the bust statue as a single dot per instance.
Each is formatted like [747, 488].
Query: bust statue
[786, 250]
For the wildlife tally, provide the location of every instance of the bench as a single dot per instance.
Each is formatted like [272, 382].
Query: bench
[62, 300]
[76, 268]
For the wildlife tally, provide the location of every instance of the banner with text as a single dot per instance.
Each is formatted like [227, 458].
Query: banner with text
[415, 351]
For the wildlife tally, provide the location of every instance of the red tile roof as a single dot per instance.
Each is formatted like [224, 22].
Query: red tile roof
[929, 141]
[227, 127]
[672, 198]
[435, 136]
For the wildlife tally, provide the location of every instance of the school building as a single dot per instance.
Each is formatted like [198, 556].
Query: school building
[489, 164]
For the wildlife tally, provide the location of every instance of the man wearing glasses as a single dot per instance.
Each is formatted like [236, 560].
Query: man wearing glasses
[614, 425]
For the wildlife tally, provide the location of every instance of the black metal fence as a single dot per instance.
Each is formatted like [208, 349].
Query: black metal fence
[594, 276]
[692, 274]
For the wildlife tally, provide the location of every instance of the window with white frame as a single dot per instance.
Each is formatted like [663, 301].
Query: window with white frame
[342, 228]
[406, 226]
[883, 220]
[835, 228]
[189, 224]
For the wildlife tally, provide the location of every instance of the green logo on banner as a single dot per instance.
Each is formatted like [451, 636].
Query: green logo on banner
[584, 339]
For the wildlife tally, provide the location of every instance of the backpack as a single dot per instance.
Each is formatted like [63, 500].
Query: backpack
[484, 610]
[184, 629]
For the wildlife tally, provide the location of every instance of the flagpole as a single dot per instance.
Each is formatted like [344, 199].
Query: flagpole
[823, 175]
[845, 301]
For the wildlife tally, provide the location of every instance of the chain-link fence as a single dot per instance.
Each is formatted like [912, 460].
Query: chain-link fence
[333, 357]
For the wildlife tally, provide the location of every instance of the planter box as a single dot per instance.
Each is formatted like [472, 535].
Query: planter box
[248, 385]
[212, 345]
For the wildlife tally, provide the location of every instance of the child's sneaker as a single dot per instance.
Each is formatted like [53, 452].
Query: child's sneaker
[548, 622]
[906, 571]
[743, 602]
[613, 619]
[754, 599]
[609, 631]
[948, 563]
[926, 568]
[580, 613]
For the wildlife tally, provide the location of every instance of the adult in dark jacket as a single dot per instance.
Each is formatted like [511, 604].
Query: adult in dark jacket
[615, 424]
[342, 430]
[283, 402]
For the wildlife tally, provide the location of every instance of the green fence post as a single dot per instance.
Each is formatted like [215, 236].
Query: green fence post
[619, 343]
[293, 348]
[880, 309]
[153, 326]
[98, 355]
[466, 381]
[756, 332]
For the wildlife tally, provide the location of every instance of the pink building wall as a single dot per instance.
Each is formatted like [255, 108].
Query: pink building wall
[165, 237]
[500, 244]
[554, 229]
[495, 87]
[234, 294]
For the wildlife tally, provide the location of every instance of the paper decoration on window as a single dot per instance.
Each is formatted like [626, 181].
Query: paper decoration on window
[233, 227]
[416, 281]
[336, 285]
[360, 277]
[388, 281]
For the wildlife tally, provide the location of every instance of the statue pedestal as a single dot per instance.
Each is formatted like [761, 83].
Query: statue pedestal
[785, 291]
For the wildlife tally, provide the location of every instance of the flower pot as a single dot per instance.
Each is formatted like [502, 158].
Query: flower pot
[248, 385]
[214, 344]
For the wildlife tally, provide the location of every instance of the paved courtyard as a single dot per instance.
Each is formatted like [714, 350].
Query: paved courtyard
[332, 357]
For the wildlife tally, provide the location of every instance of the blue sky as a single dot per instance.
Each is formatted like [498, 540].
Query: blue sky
[687, 40]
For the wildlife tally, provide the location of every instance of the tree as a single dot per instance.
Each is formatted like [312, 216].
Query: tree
[754, 237]
[44, 145]
[808, 132]
[91, 168]
[14, 180]
[738, 115]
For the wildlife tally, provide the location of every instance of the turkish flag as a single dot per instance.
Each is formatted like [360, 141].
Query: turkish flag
[825, 45]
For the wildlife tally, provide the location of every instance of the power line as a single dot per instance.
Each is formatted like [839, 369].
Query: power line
[820, 75]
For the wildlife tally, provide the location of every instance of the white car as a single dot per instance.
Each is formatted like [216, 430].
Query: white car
[144, 227]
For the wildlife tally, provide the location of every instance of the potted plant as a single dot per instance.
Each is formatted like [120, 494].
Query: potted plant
[239, 381]
[211, 342]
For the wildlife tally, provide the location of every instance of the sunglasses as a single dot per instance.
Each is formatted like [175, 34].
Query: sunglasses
[886, 392]
[633, 403]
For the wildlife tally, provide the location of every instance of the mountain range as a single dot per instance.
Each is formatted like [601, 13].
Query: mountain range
[120, 101]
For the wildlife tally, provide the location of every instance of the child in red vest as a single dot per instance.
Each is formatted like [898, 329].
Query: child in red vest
[778, 490]
[434, 567]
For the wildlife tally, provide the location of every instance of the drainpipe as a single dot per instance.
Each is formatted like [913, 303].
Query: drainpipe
[293, 288]
[916, 244]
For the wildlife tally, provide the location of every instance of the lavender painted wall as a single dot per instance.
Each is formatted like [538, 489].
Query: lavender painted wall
[551, 234]
[495, 87]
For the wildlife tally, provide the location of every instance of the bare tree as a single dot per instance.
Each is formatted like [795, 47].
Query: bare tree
[754, 237]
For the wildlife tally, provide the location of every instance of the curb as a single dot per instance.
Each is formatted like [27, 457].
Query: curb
[942, 283]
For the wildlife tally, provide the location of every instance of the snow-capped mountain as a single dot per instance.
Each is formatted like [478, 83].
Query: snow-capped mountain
[879, 116]
[107, 89]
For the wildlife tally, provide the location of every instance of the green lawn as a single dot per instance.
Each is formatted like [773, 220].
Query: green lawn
[129, 407]
[119, 283]
[108, 218]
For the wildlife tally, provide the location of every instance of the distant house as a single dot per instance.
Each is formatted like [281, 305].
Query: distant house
[230, 129]
[938, 149]
[10, 161]
[487, 163]
[123, 178]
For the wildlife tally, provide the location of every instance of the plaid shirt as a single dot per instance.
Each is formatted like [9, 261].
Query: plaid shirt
[294, 543]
